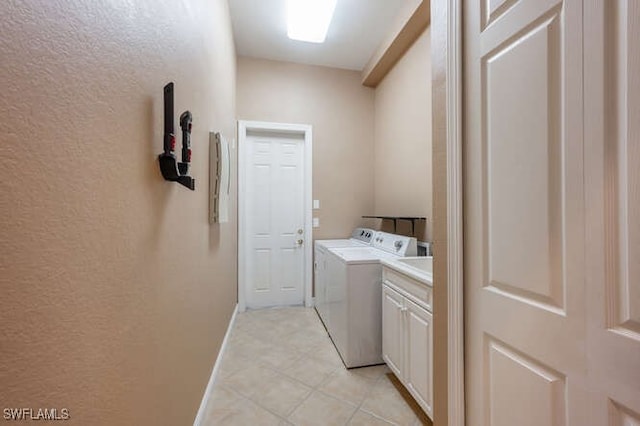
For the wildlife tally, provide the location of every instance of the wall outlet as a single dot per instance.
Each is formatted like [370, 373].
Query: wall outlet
[316, 204]
[316, 222]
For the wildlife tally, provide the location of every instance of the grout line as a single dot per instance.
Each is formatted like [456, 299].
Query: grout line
[338, 399]
[299, 404]
[343, 401]
[316, 387]
[368, 394]
[251, 398]
[295, 407]
[264, 408]
[380, 418]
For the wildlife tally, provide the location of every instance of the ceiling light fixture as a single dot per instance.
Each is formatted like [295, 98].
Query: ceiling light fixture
[308, 20]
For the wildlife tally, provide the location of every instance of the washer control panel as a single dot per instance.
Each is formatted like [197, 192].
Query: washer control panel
[363, 234]
[396, 244]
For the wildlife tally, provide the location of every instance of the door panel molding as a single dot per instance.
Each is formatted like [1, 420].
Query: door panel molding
[542, 390]
[528, 162]
[492, 10]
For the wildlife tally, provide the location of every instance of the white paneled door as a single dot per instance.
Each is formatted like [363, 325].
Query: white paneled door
[552, 212]
[273, 219]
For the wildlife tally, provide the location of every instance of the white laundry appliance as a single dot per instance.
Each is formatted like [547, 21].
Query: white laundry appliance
[360, 237]
[354, 296]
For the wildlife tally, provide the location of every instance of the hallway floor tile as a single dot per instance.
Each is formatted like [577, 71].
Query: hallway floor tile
[281, 368]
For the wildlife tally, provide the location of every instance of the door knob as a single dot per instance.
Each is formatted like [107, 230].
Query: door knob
[300, 241]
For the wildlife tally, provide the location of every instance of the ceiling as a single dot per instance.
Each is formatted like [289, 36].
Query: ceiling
[357, 28]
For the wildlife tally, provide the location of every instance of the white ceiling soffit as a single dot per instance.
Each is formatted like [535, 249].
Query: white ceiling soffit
[357, 29]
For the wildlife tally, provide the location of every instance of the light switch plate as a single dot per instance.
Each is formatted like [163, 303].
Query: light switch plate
[316, 222]
[316, 204]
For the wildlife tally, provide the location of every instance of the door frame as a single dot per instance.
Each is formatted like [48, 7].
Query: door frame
[455, 245]
[307, 132]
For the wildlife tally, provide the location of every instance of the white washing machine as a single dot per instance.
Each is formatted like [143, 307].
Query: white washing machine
[360, 237]
[354, 296]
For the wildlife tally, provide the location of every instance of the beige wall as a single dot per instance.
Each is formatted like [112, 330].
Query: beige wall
[340, 110]
[116, 292]
[403, 139]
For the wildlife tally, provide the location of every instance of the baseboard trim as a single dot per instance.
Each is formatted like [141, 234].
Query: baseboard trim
[214, 373]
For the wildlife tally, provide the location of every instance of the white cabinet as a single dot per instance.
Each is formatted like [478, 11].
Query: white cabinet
[392, 329]
[407, 335]
[419, 353]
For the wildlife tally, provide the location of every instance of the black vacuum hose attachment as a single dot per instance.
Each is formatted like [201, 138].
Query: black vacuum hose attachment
[170, 168]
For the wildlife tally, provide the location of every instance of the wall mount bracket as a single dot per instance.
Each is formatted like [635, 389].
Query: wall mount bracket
[171, 169]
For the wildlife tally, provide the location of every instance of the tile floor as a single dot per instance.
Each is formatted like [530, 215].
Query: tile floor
[280, 368]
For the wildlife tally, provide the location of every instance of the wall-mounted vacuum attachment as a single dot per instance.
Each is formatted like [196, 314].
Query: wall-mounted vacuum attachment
[171, 169]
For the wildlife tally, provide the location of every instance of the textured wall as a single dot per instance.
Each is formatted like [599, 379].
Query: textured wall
[341, 112]
[403, 139]
[116, 292]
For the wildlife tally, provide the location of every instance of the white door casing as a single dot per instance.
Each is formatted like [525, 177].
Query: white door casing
[274, 242]
[552, 212]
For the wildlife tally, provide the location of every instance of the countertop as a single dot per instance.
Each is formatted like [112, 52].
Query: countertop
[419, 268]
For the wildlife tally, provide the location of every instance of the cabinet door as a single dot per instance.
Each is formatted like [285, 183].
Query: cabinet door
[418, 372]
[392, 330]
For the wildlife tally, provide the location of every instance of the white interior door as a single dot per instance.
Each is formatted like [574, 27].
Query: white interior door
[552, 278]
[612, 154]
[273, 216]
